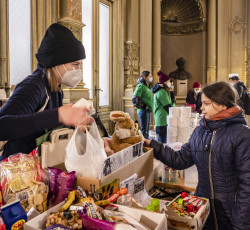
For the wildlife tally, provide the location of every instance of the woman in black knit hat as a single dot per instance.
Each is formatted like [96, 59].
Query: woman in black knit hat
[36, 104]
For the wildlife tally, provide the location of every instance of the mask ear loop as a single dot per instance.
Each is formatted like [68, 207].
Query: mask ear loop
[58, 72]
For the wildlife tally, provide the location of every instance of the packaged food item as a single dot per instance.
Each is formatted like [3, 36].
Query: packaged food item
[107, 190]
[57, 227]
[14, 215]
[113, 198]
[187, 205]
[165, 173]
[70, 201]
[173, 175]
[22, 177]
[61, 183]
[68, 219]
[2, 224]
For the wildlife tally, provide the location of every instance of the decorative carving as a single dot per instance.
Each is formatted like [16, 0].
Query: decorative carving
[131, 63]
[74, 25]
[168, 28]
[248, 68]
[74, 10]
[237, 25]
[180, 18]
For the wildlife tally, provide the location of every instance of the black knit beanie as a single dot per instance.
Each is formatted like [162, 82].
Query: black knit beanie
[59, 46]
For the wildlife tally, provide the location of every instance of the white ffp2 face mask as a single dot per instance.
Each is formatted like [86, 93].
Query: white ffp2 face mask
[169, 84]
[71, 78]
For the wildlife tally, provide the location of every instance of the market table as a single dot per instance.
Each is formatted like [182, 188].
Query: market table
[179, 185]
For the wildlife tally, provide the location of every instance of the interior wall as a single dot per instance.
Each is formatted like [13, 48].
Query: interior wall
[192, 48]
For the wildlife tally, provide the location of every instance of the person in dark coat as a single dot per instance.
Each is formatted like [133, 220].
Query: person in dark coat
[239, 86]
[220, 149]
[36, 103]
[194, 97]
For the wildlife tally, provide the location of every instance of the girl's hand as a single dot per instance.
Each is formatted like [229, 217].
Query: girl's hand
[146, 143]
[74, 116]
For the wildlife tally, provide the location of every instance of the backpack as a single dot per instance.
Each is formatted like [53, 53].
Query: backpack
[246, 103]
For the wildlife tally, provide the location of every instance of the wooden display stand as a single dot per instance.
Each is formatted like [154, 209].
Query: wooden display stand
[179, 185]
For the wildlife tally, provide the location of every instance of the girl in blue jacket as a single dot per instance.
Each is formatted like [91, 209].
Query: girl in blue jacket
[220, 149]
[36, 104]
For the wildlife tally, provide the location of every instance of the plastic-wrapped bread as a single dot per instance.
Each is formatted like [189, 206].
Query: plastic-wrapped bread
[85, 103]
[174, 111]
[185, 111]
[172, 121]
[171, 139]
[172, 131]
[184, 121]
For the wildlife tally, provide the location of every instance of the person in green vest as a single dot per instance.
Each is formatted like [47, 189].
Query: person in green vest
[163, 100]
[143, 100]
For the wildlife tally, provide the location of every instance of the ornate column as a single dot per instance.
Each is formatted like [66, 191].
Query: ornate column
[71, 16]
[4, 71]
[131, 56]
[211, 42]
[156, 37]
[248, 47]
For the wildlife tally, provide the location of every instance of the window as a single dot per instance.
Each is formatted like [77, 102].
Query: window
[104, 54]
[19, 40]
[87, 37]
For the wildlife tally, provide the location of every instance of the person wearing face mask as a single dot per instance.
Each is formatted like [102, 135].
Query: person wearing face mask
[220, 149]
[143, 101]
[162, 103]
[240, 87]
[194, 97]
[36, 103]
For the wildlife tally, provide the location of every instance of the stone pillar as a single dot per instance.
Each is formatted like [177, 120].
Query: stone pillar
[248, 47]
[156, 39]
[4, 72]
[211, 42]
[71, 17]
[131, 55]
[146, 35]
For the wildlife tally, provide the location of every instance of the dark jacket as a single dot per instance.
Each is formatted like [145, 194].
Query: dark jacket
[190, 99]
[20, 121]
[230, 168]
[242, 90]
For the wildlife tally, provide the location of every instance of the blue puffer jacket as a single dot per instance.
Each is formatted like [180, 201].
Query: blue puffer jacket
[230, 168]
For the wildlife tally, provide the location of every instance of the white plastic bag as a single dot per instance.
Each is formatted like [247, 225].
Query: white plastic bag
[85, 152]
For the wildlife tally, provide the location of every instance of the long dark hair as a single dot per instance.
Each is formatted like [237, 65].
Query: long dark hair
[144, 74]
[221, 93]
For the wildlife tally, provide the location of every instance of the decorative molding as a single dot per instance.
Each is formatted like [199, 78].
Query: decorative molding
[170, 28]
[74, 25]
[131, 62]
[237, 25]
[74, 10]
[248, 68]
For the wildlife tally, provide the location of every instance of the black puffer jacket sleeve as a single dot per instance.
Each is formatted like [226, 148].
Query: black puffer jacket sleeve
[181, 159]
[241, 208]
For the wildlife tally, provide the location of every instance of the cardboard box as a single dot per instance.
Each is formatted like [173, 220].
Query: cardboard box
[151, 220]
[143, 166]
[178, 222]
[39, 222]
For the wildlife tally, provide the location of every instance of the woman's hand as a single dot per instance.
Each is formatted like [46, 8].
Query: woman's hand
[107, 144]
[74, 116]
[146, 143]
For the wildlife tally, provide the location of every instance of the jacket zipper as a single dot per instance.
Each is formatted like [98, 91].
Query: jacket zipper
[211, 182]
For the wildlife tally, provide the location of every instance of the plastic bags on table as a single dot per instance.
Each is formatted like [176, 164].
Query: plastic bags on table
[85, 152]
